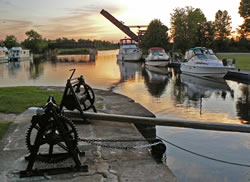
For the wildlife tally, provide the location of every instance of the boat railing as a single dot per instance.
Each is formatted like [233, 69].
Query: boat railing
[127, 42]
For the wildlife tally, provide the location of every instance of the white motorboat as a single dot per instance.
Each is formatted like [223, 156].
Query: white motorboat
[17, 54]
[129, 51]
[201, 61]
[157, 57]
[3, 55]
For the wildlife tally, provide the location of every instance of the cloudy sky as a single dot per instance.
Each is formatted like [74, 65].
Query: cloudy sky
[82, 19]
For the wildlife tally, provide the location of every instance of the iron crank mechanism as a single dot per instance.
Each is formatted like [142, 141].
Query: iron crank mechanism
[78, 95]
[53, 138]
[56, 137]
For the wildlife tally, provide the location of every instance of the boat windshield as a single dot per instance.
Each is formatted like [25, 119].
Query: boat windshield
[205, 54]
[157, 51]
[129, 50]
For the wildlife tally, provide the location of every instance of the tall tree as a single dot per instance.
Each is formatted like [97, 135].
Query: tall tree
[156, 35]
[186, 26]
[35, 42]
[244, 11]
[179, 29]
[222, 25]
[10, 41]
[205, 34]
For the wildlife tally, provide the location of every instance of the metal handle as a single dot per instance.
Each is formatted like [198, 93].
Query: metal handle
[73, 71]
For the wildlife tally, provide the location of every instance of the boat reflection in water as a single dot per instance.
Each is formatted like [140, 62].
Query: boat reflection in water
[17, 67]
[198, 88]
[156, 79]
[129, 71]
[243, 104]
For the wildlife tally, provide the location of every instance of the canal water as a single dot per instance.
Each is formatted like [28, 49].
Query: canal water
[167, 94]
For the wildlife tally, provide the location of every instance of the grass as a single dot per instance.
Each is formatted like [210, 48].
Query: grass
[3, 128]
[17, 99]
[242, 60]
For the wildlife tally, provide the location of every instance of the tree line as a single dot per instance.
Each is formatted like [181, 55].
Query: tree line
[38, 45]
[189, 28]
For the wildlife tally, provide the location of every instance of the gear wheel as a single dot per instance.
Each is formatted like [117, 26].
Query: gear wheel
[86, 95]
[52, 144]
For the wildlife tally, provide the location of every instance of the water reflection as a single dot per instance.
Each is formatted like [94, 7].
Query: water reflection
[200, 87]
[129, 70]
[86, 59]
[166, 93]
[13, 69]
[243, 104]
[156, 79]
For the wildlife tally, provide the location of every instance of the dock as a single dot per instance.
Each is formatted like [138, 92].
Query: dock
[105, 164]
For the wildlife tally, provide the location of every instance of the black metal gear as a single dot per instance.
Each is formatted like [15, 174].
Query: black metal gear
[86, 95]
[52, 140]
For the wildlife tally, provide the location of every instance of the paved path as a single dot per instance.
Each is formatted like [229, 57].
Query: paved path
[105, 165]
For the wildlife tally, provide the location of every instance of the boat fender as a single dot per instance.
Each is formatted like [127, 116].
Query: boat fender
[157, 151]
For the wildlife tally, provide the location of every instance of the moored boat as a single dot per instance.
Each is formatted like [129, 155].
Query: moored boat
[129, 51]
[17, 54]
[3, 54]
[201, 61]
[157, 57]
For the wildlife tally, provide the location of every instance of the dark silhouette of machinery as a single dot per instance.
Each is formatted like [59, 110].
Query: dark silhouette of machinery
[52, 137]
[124, 28]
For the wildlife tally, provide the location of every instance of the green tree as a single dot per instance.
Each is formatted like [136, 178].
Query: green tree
[35, 42]
[1, 43]
[205, 34]
[222, 25]
[179, 29]
[156, 35]
[65, 40]
[187, 28]
[10, 41]
[244, 11]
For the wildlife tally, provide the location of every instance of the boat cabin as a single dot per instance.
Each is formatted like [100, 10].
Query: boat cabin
[156, 51]
[18, 52]
[3, 52]
[128, 46]
[200, 53]
[127, 41]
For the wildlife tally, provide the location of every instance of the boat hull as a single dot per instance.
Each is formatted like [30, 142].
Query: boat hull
[19, 58]
[207, 71]
[161, 63]
[4, 59]
[130, 57]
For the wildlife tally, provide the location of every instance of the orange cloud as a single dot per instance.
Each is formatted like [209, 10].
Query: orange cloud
[14, 27]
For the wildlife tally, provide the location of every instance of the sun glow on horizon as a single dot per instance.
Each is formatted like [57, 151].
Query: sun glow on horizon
[82, 20]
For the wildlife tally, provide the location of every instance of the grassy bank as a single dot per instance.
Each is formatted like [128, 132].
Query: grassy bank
[242, 60]
[3, 128]
[17, 99]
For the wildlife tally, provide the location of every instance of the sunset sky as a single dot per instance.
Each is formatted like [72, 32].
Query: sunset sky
[82, 19]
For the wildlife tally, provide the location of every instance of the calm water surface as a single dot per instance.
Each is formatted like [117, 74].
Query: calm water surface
[167, 94]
